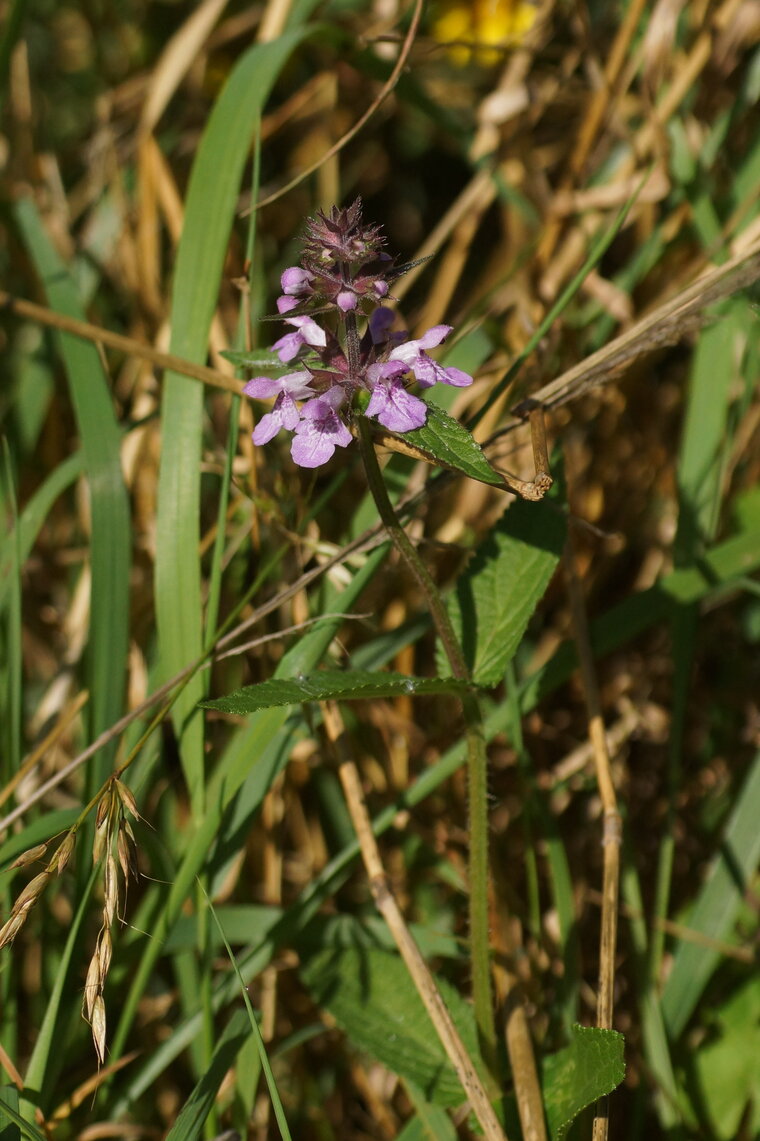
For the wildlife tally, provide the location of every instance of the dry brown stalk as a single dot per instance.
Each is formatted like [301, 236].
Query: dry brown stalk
[612, 827]
[389, 909]
[599, 104]
[522, 1057]
[129, 345]
[665, 325]
[64, 720]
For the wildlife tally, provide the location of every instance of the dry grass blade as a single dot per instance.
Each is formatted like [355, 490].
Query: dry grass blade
[177, 57]
[665, 326]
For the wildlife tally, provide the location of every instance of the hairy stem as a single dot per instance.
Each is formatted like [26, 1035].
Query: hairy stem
[476, 750]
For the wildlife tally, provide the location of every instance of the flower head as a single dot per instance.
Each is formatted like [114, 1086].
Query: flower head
[344, 277]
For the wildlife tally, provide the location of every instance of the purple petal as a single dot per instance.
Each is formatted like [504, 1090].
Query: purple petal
[395, 408]
[380, 323]
[285, 304]
[295, 280]
[320, 431]
[266, 429]
[309, 330]
[287, 347]
[297, 384]
[457, 377]
[284, 414]
[434, 336]
[346, 301]
[384, 370]
[410, 350]
[260, 387]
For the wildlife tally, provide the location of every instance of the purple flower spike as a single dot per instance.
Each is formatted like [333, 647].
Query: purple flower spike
[354, 361]
[320, 430]
[307, 332]
[394, 407]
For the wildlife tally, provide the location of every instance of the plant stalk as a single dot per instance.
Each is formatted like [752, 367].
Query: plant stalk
[476, 751]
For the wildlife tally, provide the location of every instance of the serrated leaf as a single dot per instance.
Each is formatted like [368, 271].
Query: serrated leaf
[337, 685]
[257, 358]
[589, 1068]
[502, 584]
[372, 997]
[445, 442]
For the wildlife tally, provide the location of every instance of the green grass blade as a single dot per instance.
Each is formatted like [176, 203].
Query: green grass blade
[266, 1067]
[192, 1116]
[716, 908]
[10, 636]
[110, 543]
[700, 468]
[209, 214]
[33, 515]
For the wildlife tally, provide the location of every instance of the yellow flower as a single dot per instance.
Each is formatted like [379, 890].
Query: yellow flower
[500, 23]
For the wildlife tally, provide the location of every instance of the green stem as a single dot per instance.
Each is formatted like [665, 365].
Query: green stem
[476, 750]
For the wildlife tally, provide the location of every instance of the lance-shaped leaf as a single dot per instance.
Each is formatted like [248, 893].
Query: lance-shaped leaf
[336, 685]
[444, 442]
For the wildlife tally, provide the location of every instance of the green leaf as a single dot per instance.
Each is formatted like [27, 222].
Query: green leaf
[446, 442]
[192, 1116]
[590, 1067]
[9, 1129]
[12, 1124]
[502, 584]
[372, 997]
[724, 1069]
[717, 906]
[338, 685]
[259, 358]
[111, 537]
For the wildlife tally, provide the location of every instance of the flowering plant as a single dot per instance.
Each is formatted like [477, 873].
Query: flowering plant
[345, 275]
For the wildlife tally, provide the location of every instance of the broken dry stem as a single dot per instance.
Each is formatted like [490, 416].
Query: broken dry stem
[476, 752]
[391, 913]
[612, 829]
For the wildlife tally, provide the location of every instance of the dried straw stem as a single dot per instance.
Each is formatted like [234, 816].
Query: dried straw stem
[612, 830]
[391, 913]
